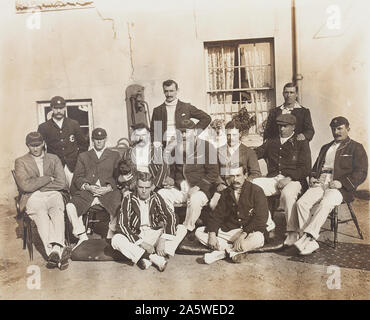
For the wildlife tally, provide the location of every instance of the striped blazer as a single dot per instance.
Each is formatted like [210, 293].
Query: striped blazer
[160, 216]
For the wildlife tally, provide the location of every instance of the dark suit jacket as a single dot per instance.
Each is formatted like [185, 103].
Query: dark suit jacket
[66, 143]
[90, 169]
[350, 166]
[28, 176]
[250, 213]
[303, 125]
[183, 111]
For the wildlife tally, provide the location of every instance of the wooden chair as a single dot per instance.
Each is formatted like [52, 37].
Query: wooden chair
[27, 221]
[335, 221]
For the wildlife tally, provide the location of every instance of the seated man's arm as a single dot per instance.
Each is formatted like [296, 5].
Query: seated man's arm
[358, 175]
[168, 216]
[79, 175]
[60, 180]
[26, 182]
[253, 168]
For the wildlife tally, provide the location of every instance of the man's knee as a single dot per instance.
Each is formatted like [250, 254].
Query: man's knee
[291, 190]
[198, 199]
[118, 240]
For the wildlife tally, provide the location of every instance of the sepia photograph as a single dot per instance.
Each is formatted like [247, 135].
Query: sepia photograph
[184, 150]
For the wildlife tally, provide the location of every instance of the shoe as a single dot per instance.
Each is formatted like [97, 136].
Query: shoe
[301, 242]
[291, 239]
[53, 260]
[64, 260]
[158, 261]
[310, 247]
[144, 264]
[239, 257]
[214, 256]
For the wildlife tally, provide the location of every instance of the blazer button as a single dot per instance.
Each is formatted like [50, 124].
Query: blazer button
[239, 220]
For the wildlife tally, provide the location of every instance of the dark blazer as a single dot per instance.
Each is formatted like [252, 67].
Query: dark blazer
[244, 155]
[350, 166]
[90, 169]
[200, 168]
[250, 213]
[183, 111]
[66, 143]
[28, 176]
[291, 159]
[303, 125]
[159, 215]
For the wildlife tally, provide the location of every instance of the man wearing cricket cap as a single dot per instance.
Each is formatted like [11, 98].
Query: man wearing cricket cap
[41, 177]
[63, 136]
[339, 169]
[288, 165]
[94, 182]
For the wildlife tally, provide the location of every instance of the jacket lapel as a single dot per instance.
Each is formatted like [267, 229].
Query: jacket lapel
[33, 164]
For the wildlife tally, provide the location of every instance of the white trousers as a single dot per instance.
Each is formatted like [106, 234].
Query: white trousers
[314, 207]
[288, 197]
[195, 203]
[46, 209]
[69, 175]
[254, 240]
[134, 252]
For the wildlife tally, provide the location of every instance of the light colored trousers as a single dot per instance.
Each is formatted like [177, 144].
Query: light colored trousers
[314, 207]
[69, 175]
[288, 197]
[254, 240]
[46, 209]
[194, 207]
[134, 252]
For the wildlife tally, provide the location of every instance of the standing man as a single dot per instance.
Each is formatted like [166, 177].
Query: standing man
[146, 227]
[339, 169]
[288, 165]
[41, 177]
[94, 182]
[63, 136]
[303, 128]
[167, 117]
[238, 224]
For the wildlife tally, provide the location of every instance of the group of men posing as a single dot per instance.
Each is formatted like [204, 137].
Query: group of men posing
[169, 165]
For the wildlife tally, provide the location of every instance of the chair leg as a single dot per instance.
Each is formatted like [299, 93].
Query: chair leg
[354, 218]
[25, 235]
[29, 240]
[335, 218]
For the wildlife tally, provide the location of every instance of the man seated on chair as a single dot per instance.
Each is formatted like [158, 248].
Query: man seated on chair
[339, 169]
[41, 177]
[144, 156]
[146, 226]
[288, 165]
[94, 183]
[194, 173]
[238, 223]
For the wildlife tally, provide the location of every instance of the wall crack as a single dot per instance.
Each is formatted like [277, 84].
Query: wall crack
[131, 53]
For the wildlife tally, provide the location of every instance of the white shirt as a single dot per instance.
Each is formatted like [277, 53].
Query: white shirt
[171, 128]
[141, 157]
[283, 140]
[40, 163]
[231, 150]
[286, 110]
[330, 156]
[59, 123]
[98, 154]
[144, 213]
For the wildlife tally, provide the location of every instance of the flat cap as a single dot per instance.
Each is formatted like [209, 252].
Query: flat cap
[286, 119]
[99, 134]
[338, 121]
[34, 139]
[186, 124]
[57, 102]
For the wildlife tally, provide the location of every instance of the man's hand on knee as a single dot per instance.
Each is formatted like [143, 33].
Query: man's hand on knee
[147, 247]
[212, 241]
[283, 182]
[238, 243]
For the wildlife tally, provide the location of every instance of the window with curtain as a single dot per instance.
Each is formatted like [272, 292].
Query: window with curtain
[240, 74]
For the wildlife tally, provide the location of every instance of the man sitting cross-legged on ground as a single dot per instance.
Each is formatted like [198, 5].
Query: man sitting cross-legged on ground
[238, 223]
[147, 227]
[41, 177]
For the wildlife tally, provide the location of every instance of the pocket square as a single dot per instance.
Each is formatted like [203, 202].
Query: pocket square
[183, 114]
[346, 155]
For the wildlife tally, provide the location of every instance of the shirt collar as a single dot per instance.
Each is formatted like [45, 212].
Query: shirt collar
[99, 152]
[40, 157]
[296, 106]
[171, 104]
[283, 140]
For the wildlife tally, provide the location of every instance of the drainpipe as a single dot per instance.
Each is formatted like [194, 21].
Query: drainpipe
[296, 76]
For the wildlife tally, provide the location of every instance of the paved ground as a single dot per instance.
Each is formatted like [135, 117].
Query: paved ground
[263, 276]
